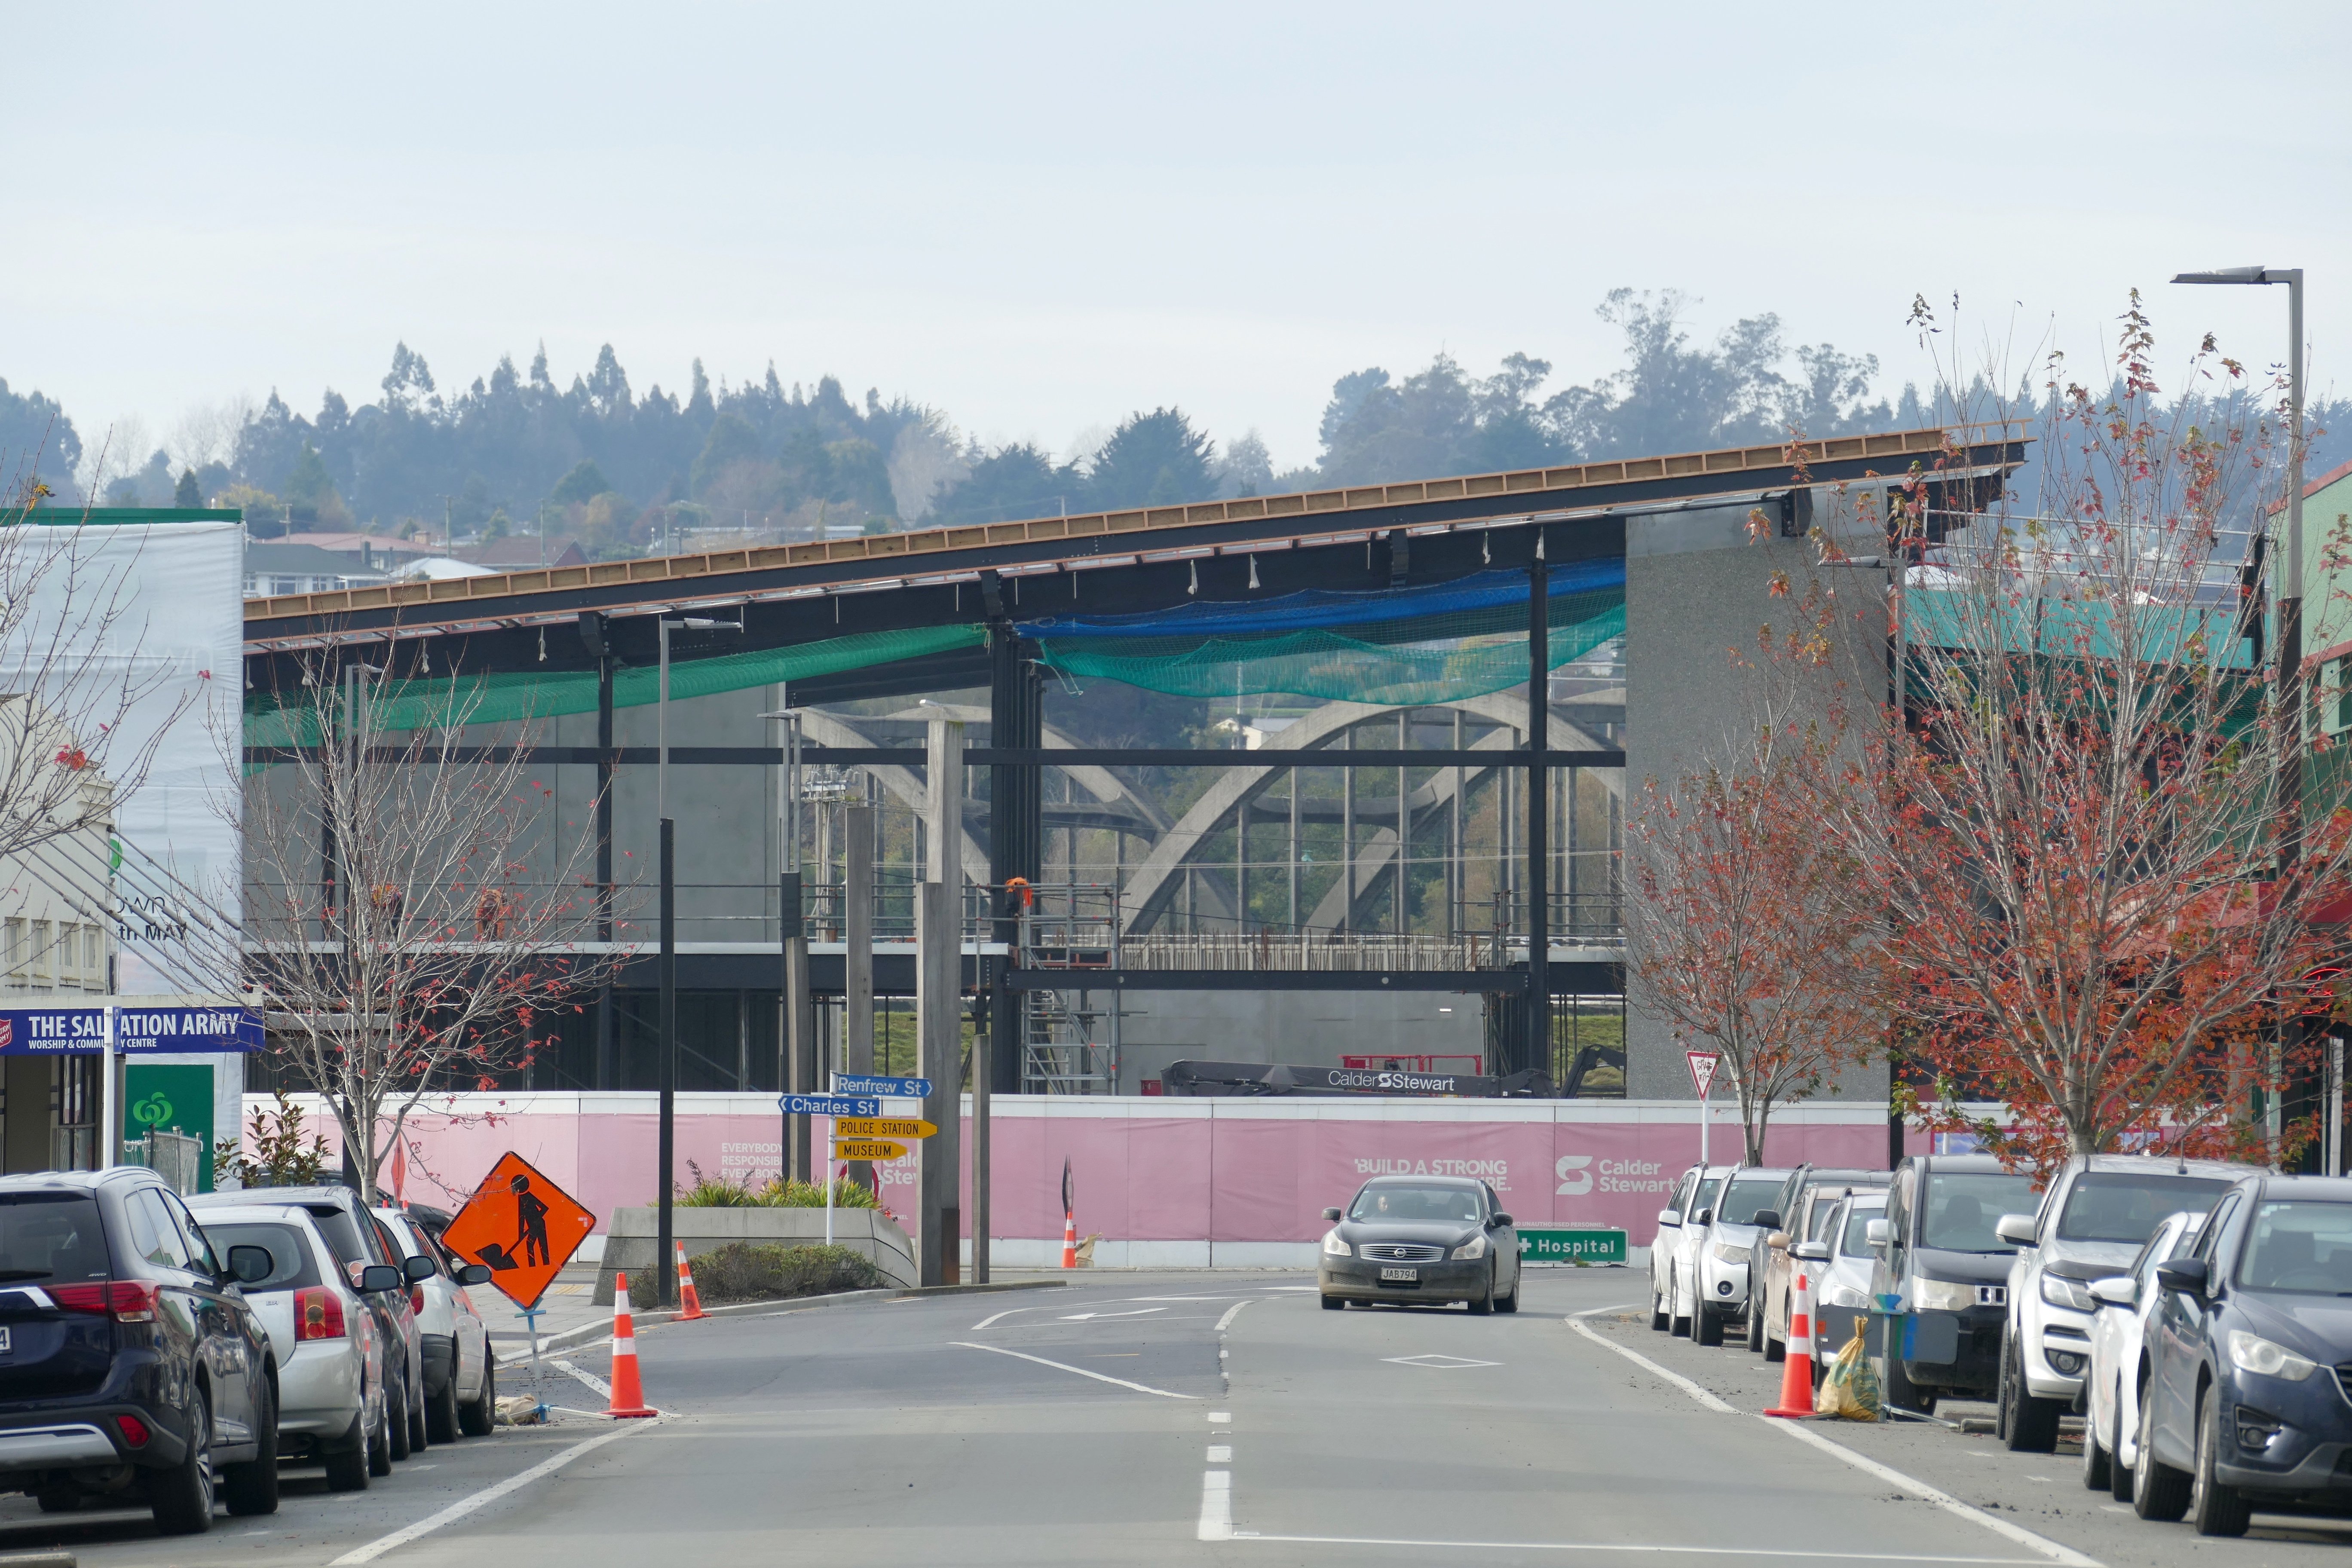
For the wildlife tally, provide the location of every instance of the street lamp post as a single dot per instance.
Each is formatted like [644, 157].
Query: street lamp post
[664, 1270]
[2288, 675]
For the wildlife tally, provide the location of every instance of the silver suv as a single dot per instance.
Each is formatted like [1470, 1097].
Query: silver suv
[2097, 1212]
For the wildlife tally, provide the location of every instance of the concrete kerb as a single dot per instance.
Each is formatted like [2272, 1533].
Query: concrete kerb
[580, 1335]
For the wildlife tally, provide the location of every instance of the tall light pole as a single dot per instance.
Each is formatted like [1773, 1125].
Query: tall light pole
[664, 1270]
[2289, 593]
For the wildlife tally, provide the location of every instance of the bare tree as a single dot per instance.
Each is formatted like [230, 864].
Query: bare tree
[413, 908]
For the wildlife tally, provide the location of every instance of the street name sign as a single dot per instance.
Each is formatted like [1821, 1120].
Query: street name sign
[868, 1149]
[828, 1105]
[1572, 1244]
[882, 1127]
[887, 1088]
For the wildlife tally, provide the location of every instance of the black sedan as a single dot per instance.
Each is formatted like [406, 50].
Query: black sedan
[1421, 1239]
[2243, 1404]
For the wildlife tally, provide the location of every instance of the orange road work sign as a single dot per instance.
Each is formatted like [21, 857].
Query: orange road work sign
[522, 1226]
[881, 1126]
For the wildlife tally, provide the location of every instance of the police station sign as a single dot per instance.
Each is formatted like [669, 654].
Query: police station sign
[46, 1031]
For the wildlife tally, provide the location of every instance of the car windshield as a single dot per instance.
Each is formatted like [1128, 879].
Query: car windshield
[2299, 1248]
[2125, 1205]
[1747, 1195]
[1963, 1206]
[1856, 1242]
[1817, 1223]
[51, 1236]
[1705, 1196]
[1416, 1204]
[288, 1248]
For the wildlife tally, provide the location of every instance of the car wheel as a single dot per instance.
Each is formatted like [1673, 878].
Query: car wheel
[1677, 1325]
[2215, 1507]
[441, 1412]
[478, 1417]
[252, 1486]
[396, 1421]
[1706, 1328]
[2120, 1474]
[1480, 1306]
[1902, 1393]
[419, 1438]
[2098, 1465]
[1755, 1340]
[347, 1466]
[58, 1496]
[1659, 1319]
[1334, 1303]
[2158, 1491]
[182, 1496]
[2032, 1423]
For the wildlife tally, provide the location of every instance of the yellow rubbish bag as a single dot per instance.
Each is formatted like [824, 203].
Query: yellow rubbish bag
[1850, 1389]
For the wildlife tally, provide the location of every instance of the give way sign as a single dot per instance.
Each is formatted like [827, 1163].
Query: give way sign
[1702, 1069]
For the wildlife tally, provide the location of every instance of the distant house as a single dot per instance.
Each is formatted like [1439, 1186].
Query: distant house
[377, 552]
[273, 566]
[524, 552]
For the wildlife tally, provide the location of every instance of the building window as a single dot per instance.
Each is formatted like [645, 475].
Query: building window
[12, 949]
[93, 946]
[45, 958]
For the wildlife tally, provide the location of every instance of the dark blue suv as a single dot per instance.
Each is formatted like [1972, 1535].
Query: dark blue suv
[131, 1366]
[2246, 1400]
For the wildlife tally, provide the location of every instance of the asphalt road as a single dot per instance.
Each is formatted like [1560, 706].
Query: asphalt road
[1195, 1419]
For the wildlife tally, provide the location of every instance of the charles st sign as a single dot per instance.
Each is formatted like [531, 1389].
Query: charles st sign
[138, 1030]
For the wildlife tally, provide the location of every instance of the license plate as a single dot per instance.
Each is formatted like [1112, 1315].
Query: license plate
[1388, 1277]
[4, 1346]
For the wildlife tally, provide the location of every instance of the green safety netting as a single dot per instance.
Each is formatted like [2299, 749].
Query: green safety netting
[1415, 662]
[271, 720]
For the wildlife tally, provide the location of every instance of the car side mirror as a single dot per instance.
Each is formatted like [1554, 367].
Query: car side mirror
[249, 1264]
[378, 1278]
[2190, 1275]
[1498, 1222]
[2122, 1291]
[472, 1274]
[1778, 1241]
[1769, 1218]
[1877, 1234]
[2017, 1230]
[1669, 1218]
[1331, 1213]
[1811, 1252]
[1704, 1216]
[416, 1269]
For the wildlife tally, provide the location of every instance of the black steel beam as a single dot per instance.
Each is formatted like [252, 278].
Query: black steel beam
[1583, 977]
[1029, 758]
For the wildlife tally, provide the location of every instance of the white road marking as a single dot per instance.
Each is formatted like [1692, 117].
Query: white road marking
[1438, 1362]
[1216, 1505]
[590, 1378]
[1082, 1372]
[488, 1495]
[1139, 1312]
[1220, 1417]
[1221, 1453]
[1611, 1546]
[1918, 1488]
[998, 1319]
[1230, 1313]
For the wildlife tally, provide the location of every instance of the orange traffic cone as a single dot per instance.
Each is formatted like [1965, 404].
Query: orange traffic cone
[1797, 1370]
[628, 1395]
[686, 1296]
[1069, 1238]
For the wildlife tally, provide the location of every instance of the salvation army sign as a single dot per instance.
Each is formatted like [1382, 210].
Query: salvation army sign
[46, 1031]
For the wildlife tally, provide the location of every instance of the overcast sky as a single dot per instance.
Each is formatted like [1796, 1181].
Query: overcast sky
[1040, 218]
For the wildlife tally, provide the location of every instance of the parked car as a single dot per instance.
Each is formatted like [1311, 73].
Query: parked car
[1842, 1262]
[330, 1384]
[359, 1239]
[1717, 1279]
[131, 1364]
[460, 1373]
[2119, 1359]
[1936, 1249]
[1802, 1215]
[2243, 1402]
[2096, 1213]
[1679, 1224]
[1411, 1239]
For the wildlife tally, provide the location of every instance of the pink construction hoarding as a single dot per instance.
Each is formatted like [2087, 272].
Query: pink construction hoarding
[1152, 1170]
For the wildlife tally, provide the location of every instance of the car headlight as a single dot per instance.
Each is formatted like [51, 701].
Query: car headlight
[2251, 1353]
[1474, 1247]
[1845, 1296]
[1942, 1296]
[1731, 1252]
[1335, 1247]
[2060, 1292]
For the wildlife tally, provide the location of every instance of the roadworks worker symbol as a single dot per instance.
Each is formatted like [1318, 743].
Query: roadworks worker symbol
[882, 1127]
[522, 1226]
[868, 1149]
